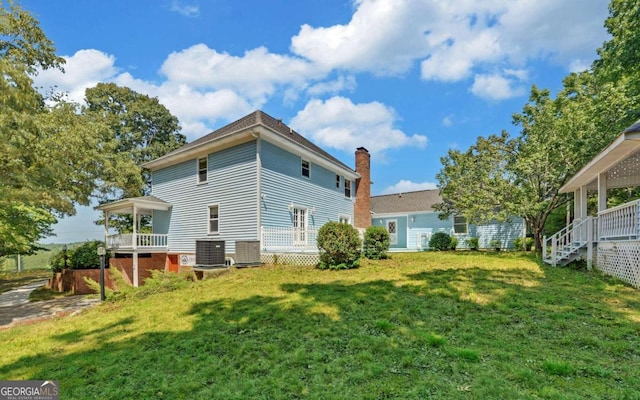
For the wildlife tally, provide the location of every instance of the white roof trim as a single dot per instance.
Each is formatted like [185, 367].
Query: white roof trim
[626, 144]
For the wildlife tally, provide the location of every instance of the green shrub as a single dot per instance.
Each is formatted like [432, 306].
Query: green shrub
[495, 244]
[521, 244]
[453, 242]
[86, 256]
[440, 241]
[58, 259]
[339, 245]
[376, 243]
[473, 243]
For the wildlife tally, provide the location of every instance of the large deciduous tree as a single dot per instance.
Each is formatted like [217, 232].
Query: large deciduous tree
[502, 176]
[50, 157]
[141, 128]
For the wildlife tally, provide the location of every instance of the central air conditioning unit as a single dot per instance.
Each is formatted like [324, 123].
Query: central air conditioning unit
[247, 252]
[209, 253]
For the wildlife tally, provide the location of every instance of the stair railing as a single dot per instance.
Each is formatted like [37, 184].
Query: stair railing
[567, 240]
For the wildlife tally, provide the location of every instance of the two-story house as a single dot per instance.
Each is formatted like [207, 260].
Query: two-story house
[255, 179]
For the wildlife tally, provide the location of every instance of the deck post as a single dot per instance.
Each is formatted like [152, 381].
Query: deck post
[544, 247]
[135, 268]
[554, 252]
[589, 243]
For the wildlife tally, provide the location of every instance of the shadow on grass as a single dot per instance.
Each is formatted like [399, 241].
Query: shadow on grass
[423, 337]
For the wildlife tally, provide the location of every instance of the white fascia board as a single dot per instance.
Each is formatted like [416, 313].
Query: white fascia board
[622, 147]
[293, 147]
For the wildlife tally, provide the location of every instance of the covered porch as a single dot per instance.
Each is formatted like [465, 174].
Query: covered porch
[610, 239]
[127, 247]
[137, 207]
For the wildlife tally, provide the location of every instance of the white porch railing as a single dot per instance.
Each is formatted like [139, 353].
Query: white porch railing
[568, 241]
[141, 241]
[289, 239]
[622, 222]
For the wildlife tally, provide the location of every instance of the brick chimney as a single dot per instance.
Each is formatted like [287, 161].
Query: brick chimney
[362, 207]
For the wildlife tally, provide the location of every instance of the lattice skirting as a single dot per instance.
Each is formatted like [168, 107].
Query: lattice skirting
[290, 258]
[620, 259]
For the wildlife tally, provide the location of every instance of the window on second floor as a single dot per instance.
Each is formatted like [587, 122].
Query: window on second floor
[460, 224]
[347, 188]
[338, 181]
[306, 168]
[202, 170]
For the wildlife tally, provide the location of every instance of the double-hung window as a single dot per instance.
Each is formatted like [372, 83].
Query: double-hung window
[460, 225]
[214, 218]
[306, 168]
[347, 188]
[202, 170]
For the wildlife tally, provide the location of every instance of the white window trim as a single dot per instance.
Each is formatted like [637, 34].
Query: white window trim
[200, 182]
[209, 232]
[350, 188]
[453, 226]
[300, 232]
[346, 217]
[302, 160]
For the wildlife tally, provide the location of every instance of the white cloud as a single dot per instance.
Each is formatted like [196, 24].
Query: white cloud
[186, 10]
[455, 40]
[340, 84]
[384, 37]
[83, 70]
[447, 121]
[340, 124]
[255, 74]
[495, 87]
[405, 186]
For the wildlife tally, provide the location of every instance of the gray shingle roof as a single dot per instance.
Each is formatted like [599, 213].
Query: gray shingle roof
[422, 200]
[633, 128]
[259, 118]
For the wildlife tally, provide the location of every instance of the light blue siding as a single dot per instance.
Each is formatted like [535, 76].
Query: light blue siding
[506, 232]
[417, 224]
[232, 184]
[283, 184]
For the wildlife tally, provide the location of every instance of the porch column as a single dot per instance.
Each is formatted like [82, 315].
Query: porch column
[134, 238]
[577, 212]
[583, 202]
[135, 269]
[602, 191]
[106, 228]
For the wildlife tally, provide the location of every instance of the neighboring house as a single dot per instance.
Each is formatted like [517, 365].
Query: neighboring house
[255, 179]
[611, 239]
[411, 219]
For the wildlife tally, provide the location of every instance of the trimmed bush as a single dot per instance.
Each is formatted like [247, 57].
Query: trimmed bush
[440, 241]
[86, 256]
[473, 243]
[376, 243]
[339, 245]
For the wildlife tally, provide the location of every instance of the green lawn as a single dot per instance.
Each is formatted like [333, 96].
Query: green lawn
[424, 325]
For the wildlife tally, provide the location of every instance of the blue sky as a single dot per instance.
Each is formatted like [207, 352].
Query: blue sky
[407, 79]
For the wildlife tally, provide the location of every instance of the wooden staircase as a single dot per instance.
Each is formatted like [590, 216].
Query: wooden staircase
[569, 244]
